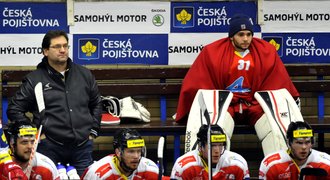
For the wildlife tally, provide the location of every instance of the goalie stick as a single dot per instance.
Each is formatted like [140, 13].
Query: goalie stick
[316, 172]
[160, 154]
[41, 107]
[207, 117]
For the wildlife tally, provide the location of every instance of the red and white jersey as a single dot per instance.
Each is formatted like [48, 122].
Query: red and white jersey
[106, 168]
[279, 165]
[230, 166]
[43, 168]
[241, 74]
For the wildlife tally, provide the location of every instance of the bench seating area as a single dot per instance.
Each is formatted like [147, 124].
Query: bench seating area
[163, 83]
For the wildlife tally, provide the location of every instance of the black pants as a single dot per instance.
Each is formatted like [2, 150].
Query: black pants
[78, 156]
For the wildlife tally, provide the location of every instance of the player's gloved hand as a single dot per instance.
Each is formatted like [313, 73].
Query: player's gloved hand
[8, 169]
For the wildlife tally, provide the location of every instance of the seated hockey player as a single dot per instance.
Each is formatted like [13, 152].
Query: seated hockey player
[225, 164]
[242, 64]
[21, 137]
[128, 162]
[8, 168]
[287, 164]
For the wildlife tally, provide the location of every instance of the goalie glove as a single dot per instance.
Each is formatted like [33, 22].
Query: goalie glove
[134, 110]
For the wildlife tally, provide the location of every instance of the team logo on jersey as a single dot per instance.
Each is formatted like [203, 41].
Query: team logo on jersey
[277, 42]
[183, 17]
[89, 48]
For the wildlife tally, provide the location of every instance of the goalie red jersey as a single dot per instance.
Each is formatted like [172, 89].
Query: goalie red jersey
[262, 69]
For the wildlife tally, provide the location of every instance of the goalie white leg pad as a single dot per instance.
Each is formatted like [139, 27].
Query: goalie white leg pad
[228, 127]
[280, 109]
[271, 138]
[217, 103]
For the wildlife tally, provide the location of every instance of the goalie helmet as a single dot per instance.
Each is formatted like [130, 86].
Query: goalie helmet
[127, 138]
[20, 129]
[299, 129]
[217, 134]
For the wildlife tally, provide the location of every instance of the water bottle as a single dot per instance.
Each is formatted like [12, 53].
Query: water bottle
[61, 171]
[71, 172]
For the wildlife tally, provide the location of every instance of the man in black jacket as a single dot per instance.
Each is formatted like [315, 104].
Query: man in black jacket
[72, 104]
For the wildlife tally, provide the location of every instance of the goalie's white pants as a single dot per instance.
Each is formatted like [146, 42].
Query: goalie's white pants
[271, 138]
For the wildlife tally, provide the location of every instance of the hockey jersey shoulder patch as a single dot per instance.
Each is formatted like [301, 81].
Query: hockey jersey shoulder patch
[272, 158]
[187, 160]
[102, 170]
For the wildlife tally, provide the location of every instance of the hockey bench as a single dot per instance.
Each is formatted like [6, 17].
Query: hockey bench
[163, 83]
[160, 83]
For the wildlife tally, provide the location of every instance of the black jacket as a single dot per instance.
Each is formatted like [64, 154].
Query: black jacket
[72, 106]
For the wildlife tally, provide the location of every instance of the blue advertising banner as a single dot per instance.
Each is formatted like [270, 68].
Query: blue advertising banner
[209, 16]
[27, 17]
[301, 47]
[120, 49]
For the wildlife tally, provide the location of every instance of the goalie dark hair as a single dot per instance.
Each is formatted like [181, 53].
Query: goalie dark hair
[202, 133]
